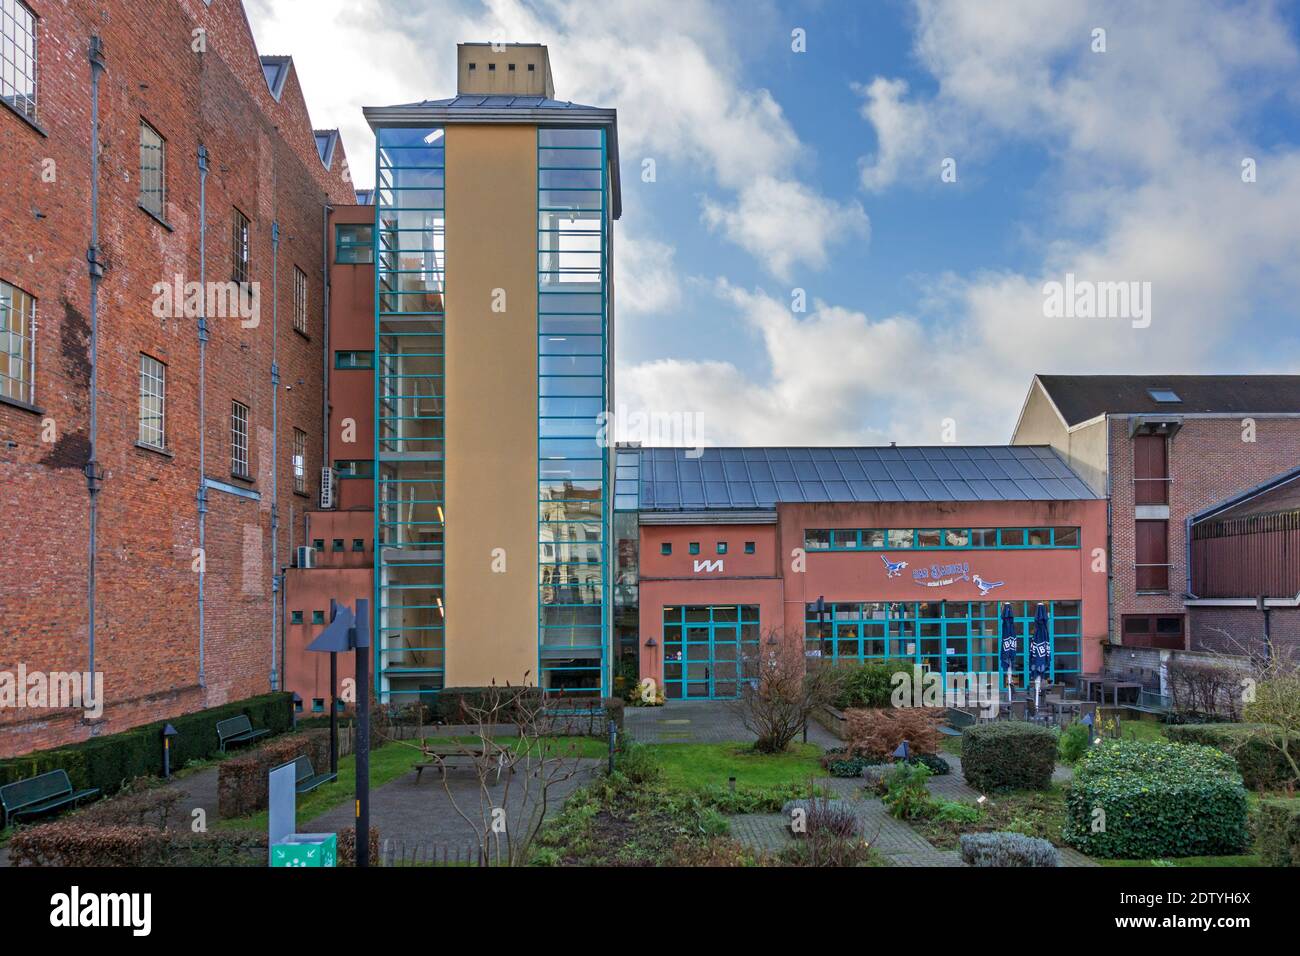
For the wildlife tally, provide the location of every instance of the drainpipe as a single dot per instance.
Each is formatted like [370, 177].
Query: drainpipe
[275, 448]
[202, 497]
[325, 333]
[96, 269]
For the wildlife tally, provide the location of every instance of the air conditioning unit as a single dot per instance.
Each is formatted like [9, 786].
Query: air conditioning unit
[329, 488]
[306, 557]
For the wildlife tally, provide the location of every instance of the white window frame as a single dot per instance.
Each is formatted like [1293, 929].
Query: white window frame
[17, 344]
[239, 418]
[153, 385]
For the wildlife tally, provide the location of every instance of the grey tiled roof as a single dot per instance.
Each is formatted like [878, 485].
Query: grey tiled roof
[727, 478]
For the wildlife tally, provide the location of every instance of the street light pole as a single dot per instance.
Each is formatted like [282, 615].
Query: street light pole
[361, 632]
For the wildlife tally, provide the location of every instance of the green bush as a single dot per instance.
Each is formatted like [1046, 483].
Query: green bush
[905, 793]
[1074, 743]
[1007, 849]
[1156, 800]
[1261, 764]
[1277, 832]
[867, 685]
[954, 811]
[1008, 755]
[111, 762]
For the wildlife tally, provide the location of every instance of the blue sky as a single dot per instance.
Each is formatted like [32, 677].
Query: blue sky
[1115, 158]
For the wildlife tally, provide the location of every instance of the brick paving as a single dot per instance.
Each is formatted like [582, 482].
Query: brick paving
[700, 722]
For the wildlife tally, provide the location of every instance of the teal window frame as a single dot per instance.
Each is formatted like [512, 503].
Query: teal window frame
[349, 359]
[318, 617]
[749, 547]
[666, 548]
[694, 547]
[346, 246]
[882, 630]
[721, 547]
[856, 539]
[727, 624]
[295, 617]
[362, 468]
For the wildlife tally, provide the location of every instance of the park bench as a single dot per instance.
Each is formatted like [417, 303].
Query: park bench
[307, 778]
[237, 730]
[957, 720]
[476, 753]
[38, 794]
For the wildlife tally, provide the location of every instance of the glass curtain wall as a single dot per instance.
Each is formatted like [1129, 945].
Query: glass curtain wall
[573, 378]
[945, 636]
[410, 412]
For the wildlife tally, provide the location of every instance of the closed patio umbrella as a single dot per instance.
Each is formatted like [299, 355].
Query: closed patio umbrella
[1010, 644]
[1040, 651]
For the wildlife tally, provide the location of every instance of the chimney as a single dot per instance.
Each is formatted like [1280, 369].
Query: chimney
[503, 69]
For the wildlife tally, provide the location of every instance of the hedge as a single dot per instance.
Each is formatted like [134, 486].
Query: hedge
[1008, 755]
[1262, 765]
[242, 780]
[868, 685]
[111, 762]
[1156, 800]
[1277, 832]
[71, 842]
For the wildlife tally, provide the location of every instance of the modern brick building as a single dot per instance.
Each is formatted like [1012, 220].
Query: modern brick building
[1166, 450]
[859, 554]
[205, 168]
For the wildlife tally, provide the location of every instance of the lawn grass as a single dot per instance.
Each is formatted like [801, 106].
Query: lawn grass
[390, 762]
[692, 766]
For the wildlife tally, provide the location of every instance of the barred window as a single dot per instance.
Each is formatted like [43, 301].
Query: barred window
[239, 250]
[299, 300]
[17, 343]
[300, 461]
[153, 402]
[153, 155]
[239, 439]
[18, 57]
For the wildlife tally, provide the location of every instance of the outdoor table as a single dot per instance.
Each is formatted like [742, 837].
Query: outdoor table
[1118, 685]
[1088, 681]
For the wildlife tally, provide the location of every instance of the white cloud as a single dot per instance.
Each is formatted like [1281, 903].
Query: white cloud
[783, 223]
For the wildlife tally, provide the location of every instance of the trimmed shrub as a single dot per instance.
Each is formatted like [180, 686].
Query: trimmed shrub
[347, 847]
[1277, 832]
[242, 786]
[1156, 800]
[876, 734]
[146, 801]
[111, 762]
[1261, 764]
[73, 843]
[867, 685]
[455, 704]
[1007, 849]
[937, 766]
[1008, 755]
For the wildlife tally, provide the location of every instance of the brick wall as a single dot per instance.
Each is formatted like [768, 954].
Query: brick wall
[1208, 462]
[264, 161]
[1240, 631]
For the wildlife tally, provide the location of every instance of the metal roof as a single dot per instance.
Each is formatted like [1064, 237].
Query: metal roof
[1081, 398]
[731, 478]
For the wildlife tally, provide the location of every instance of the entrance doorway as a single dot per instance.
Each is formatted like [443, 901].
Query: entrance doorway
[705, 648]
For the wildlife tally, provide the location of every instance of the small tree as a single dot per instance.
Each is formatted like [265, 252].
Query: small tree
[1272, 703]
[779, 691]
[517, 765]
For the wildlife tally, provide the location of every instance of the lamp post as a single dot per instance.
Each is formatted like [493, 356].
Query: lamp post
[167, 734]
[351, 632]
[295, 705]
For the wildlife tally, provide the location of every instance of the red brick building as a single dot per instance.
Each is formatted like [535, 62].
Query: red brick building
[1164, 450]
[174, 80]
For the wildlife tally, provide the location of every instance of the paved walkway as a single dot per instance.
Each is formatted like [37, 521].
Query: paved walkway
[419, 824]
[701, 722]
